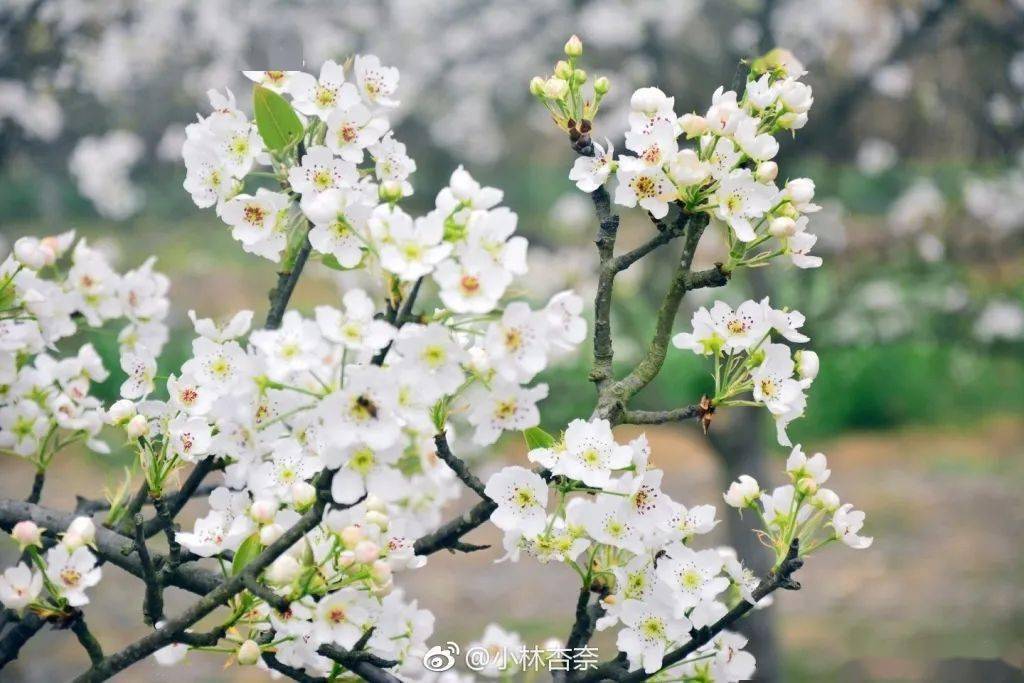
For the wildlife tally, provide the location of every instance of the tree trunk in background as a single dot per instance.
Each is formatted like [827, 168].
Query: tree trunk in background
[739, 445]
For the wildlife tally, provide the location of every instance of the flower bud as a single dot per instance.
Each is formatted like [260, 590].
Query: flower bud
[381, 590]
[807, 364]
[807, 486]
[574, 46]
[27, 534]
[537, 86]
[563, 70]
[766, 172]
[31, 254]
[270, 533]
[380, 571]
[602, 85]
[375, 504]
[783, 226]
[579, 76]
[800, 190]
[647, 100]
[352, 535]
[366, 552]
[377, 518]
[303, 494]
[137, 427]
[693, 125]
[248, 653]
[72, 541]
[84, 528]
[788, 120]
[555, 88]
[743, 492]
[826, 499]
[263, 510]
[390, 191]
[283, 570]
[346, 558]
[121, 411]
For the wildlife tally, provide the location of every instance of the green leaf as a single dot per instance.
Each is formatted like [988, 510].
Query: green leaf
[246, 553]
[277, 122]
[538, 438]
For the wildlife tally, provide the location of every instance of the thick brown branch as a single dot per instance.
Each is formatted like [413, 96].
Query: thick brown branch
[458, 466]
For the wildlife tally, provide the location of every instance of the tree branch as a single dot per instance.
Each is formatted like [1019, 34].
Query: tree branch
[587, 614]
[458, 466]
[448, 535]
[37, 486]
[215, 598]
[657, 417]
[153, 605]
[286, 281]
[87, 639]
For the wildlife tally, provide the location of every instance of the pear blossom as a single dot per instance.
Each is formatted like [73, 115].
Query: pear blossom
[321, 171]
[590, 173]
[847, 522]
[376, 83]
[72, 573]
[651, 630]
[19, 586]
[356, 328]
[521, 497]
[649, 187]
[740, 199]
[258, 222]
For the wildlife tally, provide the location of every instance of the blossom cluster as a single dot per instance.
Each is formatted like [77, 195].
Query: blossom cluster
[729, 173]
[598, 506]
[66, 570]
[346, 402]
[48, 287]
[748, 361]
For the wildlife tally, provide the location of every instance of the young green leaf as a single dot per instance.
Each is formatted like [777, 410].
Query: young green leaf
[246, 553]
[538, 438]
[277, 122]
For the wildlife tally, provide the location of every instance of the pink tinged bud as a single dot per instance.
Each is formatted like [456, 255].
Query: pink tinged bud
[248, 653]
[303, 494]
[346, 558]
[767, 171]
[366, 552]
[262, 511]
[27, 534]
[574, 46]
[693, 125]
[270, 533]
[783, 226]
[807, 486]
[137, 427]
[352, 535]
[555, 88]
[284, 570]
[381, 572]
[83, 529]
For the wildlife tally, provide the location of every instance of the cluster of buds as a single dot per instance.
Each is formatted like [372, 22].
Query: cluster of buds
[562, 93]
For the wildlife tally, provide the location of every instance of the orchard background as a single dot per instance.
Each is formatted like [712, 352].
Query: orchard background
[915, 145]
